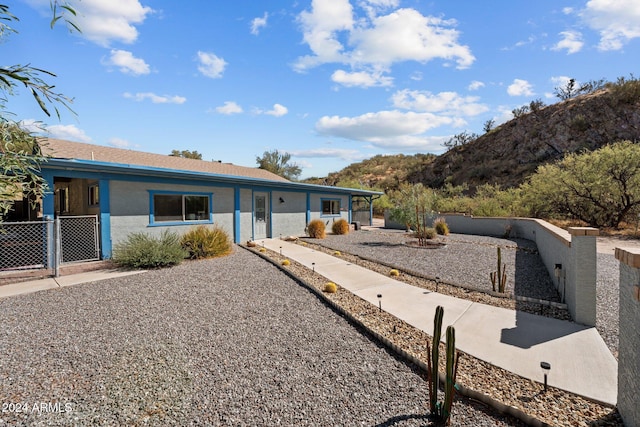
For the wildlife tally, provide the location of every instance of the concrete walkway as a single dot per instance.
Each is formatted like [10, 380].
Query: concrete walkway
[60, 282]
[580, 360]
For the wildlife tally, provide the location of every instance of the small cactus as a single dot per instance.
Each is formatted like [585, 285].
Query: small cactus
[337, 253]
[330, 288]
[263, 250]
[394, 273]
[500, 276]
[286, 262]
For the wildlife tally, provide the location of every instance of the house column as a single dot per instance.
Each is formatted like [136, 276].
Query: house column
[105, 219]
[236, 214]
[48, 200]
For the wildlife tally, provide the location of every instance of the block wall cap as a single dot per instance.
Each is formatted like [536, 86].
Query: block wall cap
[629, 256]
[583, 231]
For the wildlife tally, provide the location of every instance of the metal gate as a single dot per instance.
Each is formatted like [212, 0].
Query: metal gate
[360, 211]
[48, 243]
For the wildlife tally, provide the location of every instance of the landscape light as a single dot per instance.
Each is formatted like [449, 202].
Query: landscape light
[546, 367]
[380, 302]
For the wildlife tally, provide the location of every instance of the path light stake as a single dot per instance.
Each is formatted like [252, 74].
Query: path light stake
[280, 250]
[380, 302]
[546, 367]
[313, 267]
[437, 282]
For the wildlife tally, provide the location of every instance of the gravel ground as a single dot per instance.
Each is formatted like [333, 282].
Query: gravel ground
[228, 341]
[467, 260]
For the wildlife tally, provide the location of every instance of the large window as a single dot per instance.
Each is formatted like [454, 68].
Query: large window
[330, 206]
[177, 207]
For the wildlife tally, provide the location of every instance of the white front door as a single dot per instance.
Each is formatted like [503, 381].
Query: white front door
[260, 215]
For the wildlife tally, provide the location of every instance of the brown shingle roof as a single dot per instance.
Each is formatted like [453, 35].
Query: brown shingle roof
[61, 149]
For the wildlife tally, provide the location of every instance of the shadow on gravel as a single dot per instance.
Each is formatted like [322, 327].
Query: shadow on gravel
[400, 418]
[381, 244]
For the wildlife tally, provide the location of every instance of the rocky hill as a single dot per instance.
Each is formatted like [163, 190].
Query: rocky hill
[508, 154]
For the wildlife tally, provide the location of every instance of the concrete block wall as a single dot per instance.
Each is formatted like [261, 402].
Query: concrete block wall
[629, 347]
[573, 250]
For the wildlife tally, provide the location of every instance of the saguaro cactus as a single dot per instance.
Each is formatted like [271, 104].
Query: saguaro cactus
[500, 275]
[451, 373]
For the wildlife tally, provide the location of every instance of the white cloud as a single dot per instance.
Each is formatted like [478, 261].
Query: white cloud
[119, 143]
[448, 103]
[340, 153]
[127, 63]
[105, 21]
[68, 132]
[571, 41]
[384, 128]
[520, 88]
[211, 65]
[258, 23]
[229, 108]
[475, 85]
[361, 79]
[617, 21]
[278, 110]
[156, 99]
[377, 41]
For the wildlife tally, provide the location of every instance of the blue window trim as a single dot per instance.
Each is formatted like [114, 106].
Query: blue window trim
[322, 200]
[153, 223]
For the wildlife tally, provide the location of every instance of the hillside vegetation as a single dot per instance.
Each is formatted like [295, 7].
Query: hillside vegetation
[510, 153]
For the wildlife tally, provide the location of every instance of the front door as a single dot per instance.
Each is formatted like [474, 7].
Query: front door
[260, 216]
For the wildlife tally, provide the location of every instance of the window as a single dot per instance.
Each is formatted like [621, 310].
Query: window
[94, 195]
[331, 207]
[176, 207]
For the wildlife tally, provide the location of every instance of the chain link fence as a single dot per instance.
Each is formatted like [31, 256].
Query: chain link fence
[48, 243]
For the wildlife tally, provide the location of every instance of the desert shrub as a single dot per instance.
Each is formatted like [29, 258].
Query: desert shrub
[330, 288]
[425, 233]
[441, 227]
[340, 226]
[316, 229]
[204, 242]
[141, 250]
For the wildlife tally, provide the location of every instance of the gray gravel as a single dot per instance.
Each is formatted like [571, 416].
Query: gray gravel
[229, 341]
[467, 260]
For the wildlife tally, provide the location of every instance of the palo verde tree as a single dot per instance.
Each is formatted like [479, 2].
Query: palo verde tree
[20, 153]
[601, 188]
[278, 163]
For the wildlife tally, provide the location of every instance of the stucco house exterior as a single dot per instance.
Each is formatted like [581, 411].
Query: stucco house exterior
[131, 191]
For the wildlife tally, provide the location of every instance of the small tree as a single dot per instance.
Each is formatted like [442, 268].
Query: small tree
[601, 188]
[186, 154]
[278, 163]
[412, 203]
[462, 138]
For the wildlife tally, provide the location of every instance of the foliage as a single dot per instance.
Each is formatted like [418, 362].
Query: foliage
[204, 242]
[20, 153]
[407, 199]
[601, 188]
[186, 154]
[488, 125]
[330, 288]
[462, 138]
[536, 105]
[316, 229]
[20, 159]
[278, 163]
[520, 111]
[624, 90]
[441, 227]
[571, 89]
[425, 233]
[340, 226]
[380, 204]
[141, 250]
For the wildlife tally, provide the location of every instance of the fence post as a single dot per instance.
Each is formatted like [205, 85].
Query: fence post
[57, 253]
[628, 355]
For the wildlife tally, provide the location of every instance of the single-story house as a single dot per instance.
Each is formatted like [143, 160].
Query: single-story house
[131, 191]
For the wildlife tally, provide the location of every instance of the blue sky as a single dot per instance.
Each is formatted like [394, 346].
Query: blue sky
[330, 81]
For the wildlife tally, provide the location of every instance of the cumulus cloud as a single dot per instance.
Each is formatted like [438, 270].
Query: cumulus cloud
[617, 21]
[119, 143]
[211, 65]
[229, 108]
[127, 63]
[340, 153]
[376, 41]
[449, 103]
[278, 110]
[475, 85]
[105, 21]
[520, 88]
[156, 99]
[571, 41]
[258, 23]
[68, 132]
[361, 79]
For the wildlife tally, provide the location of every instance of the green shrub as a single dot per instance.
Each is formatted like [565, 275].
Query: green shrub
[142, 250]
[425, 233]
[204, 242]
[441, 227]
[316, 229]
[340, 226]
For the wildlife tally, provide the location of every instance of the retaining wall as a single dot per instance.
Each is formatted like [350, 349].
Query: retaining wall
[569, 256]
